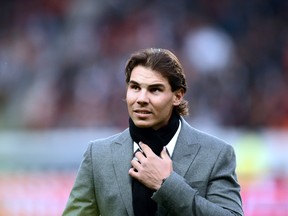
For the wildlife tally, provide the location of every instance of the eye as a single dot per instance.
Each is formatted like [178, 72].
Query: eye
[134, 87]
[155, 90]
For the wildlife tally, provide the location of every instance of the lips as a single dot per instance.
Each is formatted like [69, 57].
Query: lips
[142, 111]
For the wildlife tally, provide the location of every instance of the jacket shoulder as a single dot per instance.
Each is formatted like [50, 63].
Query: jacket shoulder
[111, 138]
[120, 137]
[203, 138]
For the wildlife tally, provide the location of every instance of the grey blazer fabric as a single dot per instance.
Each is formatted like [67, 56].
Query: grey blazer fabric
[203, 181]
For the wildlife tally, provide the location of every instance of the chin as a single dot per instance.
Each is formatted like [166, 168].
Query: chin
[142, 124]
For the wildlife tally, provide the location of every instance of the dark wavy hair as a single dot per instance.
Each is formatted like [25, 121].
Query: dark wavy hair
[164, 62]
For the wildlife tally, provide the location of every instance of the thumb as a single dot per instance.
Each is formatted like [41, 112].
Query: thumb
[164, 153]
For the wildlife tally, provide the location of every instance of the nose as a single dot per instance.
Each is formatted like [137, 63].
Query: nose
[142, 97]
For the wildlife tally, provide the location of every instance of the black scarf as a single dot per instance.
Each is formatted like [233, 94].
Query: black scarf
[143, 205]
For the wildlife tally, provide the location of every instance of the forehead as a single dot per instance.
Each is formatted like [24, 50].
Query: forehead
[141, 74]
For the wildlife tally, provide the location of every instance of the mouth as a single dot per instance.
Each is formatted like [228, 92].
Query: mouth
[142, 113]
[138, 111]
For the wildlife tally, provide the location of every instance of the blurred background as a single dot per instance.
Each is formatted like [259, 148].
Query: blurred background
[62, 85]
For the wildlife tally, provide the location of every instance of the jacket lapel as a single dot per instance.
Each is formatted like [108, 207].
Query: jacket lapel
[185, 150]
[122, 151]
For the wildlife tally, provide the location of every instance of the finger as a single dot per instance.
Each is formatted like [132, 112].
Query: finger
[132, 172]
[140, 156]
[136, 159]
[146, 149]
[164, 154]
[135, 164]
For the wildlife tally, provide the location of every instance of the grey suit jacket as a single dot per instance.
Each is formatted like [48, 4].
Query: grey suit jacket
[203, 181]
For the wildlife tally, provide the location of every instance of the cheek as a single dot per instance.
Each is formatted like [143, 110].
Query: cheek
[163, 104]
[130, 98]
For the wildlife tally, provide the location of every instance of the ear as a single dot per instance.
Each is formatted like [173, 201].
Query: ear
[178, 96]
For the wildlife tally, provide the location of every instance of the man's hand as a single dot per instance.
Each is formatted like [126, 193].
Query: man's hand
[152, 169]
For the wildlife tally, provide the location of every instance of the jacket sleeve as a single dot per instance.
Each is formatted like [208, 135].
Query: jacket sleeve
[221, 196]
[82, 197]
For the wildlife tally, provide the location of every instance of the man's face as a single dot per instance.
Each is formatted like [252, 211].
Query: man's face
[150, 99]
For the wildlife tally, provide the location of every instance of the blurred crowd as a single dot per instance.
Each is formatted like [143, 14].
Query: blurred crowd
[62, 62]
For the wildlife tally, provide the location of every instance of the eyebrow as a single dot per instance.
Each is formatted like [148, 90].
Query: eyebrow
[157, 85]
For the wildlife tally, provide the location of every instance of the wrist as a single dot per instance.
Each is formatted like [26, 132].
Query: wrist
[160, 184]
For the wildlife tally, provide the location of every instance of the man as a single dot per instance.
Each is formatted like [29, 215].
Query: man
[160, 165]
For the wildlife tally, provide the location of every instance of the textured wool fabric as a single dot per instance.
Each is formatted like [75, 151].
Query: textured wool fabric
[143, 205]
